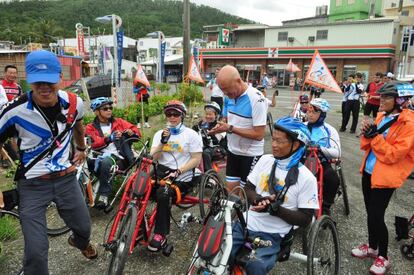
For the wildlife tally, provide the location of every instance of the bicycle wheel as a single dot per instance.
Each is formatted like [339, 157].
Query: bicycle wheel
[123, 242]
[270, 122]
[194, 192]
[210, 182]
[11, 243]
[323, 248]
[343, 189]
[55, 224]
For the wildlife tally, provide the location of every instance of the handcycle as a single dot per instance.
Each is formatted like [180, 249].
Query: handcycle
[314, 164]
[215, 242]
[89, 185]
[135, 219]
[219, 158]
[405, 231]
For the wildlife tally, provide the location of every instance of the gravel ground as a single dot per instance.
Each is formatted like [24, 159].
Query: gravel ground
[64, 259]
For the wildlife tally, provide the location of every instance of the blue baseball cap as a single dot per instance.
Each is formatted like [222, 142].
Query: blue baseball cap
[42, 66]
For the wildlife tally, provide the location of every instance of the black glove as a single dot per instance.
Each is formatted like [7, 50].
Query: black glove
[274, 208]
[371, 132]
[165, 137]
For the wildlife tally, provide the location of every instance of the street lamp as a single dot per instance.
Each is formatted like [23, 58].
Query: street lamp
[160, 36]
[116, 23]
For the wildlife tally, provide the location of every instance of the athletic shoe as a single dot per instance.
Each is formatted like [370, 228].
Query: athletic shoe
[146, 125]
[352, 131]
[364, 251]
[90, 252]
[102, 202]
[139, 125]
[380, 266]
[342, 129]
[157, 242]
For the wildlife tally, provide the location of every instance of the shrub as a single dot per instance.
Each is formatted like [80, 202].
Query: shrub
[189, 94]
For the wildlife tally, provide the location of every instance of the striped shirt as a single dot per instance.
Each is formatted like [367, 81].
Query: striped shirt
[21, 118]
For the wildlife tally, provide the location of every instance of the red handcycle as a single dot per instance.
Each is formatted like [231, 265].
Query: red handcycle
[314, 164]
[135, 218]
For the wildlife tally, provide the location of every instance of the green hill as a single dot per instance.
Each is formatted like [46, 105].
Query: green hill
[31, 20]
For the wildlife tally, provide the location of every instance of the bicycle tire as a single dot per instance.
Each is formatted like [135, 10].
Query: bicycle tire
[11, 243]
[320, 256]
[269, 121]
[55, 224]
[210, 182]
[123, 239]
[343, 190]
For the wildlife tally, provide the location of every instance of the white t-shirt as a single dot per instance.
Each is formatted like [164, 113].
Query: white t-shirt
[3, 96]
[247, 111]
[303, 194]
[215, 89]
[111, 148]
[179, 148]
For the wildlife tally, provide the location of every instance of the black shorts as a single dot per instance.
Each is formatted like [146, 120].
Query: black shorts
[238, 167]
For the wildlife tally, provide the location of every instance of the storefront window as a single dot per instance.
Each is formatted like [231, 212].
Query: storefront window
[349, 69]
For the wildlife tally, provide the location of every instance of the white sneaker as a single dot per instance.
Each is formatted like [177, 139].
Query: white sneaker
[380, 266]
[139, 125]
[364, 251]
[146, 125]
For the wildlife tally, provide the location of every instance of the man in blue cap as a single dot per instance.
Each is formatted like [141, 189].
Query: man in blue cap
[44, 121]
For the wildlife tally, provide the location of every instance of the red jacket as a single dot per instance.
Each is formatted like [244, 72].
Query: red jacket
[395, 153]
[99, 141]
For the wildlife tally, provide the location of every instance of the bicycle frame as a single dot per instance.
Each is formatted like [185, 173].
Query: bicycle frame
[130, 199]
[313, 163]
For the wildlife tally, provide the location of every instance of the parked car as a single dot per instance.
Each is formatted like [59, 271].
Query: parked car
[97, 86]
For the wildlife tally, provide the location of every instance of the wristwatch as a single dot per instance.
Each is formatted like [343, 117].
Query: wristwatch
[230, 130]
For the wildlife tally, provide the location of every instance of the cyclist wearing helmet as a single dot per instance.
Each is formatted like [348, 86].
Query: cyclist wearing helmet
[107, 135]
[389, 159]
[178, 151]
[326, 138]
[265, 181]
[212, 112]
[300, 112]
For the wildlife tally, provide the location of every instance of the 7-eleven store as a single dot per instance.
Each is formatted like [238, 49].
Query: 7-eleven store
[341, 60]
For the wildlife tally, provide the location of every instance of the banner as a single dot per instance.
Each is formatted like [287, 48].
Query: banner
[291, 67]
[320, 76]
[193, 72]
[81, 42]
[224, 37]
[201, 62]
[140, 77]
[119, 44]
[163, 45]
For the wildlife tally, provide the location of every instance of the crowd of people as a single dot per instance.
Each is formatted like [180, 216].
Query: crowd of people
[46, 120]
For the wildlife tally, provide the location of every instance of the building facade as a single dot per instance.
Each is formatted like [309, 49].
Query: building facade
[350, 10]
[347, 47]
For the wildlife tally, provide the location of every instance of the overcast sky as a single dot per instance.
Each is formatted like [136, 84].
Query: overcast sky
[270, 12]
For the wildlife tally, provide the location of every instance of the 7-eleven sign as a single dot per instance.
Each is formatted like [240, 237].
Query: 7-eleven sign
[224, 37]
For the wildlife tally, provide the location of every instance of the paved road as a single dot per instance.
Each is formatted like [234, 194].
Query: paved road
[352, 229]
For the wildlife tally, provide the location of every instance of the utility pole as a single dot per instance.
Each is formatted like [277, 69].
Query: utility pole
[186, 36]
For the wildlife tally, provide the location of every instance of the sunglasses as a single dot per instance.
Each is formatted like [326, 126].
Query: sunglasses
[172, 114]
[107, 108]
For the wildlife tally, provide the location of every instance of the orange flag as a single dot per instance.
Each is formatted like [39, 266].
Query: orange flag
[193, 72]
[140, 77]
[320, 76]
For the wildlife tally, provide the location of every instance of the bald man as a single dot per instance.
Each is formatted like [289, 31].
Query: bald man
[244, 113]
